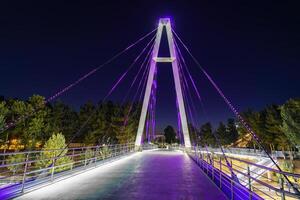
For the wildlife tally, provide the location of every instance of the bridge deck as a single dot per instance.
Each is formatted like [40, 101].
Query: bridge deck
[145, 175]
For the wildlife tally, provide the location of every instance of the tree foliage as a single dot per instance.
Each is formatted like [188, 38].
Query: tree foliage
[170, 134]
[53, 148]
[290, 113]
[13, 159]
[206, 135]
[277, 126]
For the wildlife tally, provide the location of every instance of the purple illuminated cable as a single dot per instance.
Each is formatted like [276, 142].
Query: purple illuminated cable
[139, 85]
[178, 122]
[188, 95]
[228, 164]
[150, 111]
[184, 63]
[109, 93]
[234, 110]
[143, 79]
[130, 109]
[144, 87]
[191, 78]
[194, 85]
[154, 103]
[185, 96]
[187, 100]
[188, 106]
[183, 89]
[150, 115]
[147, 128]
[125, 73]
[97, 68]
[137, 74]
[152, 106]
[186, 85]
[149, 120]
[217, 140]
[155, 99]
[65, 89]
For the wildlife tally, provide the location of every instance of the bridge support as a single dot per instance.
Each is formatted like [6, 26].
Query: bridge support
[164, 23]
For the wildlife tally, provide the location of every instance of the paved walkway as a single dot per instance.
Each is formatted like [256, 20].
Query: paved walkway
[157, 175]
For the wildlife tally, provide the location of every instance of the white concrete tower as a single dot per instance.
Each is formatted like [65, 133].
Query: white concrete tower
[164, 23]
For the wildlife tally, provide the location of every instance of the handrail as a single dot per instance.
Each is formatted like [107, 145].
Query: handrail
[21, 173]
[247, 178]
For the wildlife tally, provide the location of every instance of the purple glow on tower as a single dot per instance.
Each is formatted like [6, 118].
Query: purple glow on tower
[147, 129]
[179, 124]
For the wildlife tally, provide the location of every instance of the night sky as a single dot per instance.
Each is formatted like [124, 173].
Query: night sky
[250, 49]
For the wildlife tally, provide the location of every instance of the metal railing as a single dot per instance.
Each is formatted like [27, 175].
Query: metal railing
[245, 179]
[23, 171]
[253, 152]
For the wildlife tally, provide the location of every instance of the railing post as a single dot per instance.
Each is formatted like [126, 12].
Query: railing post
[95, 156]
[206, 164]
[213, 169]
[281, 182]
[73, 153]
[231, 188]
[85, 157]
[24, 173]
[220, 172]
[249, 182]
[196, 154]
[52, 169]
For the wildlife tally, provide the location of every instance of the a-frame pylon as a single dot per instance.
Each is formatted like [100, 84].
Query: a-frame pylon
[164, 23]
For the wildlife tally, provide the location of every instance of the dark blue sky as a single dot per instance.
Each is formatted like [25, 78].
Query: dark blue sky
[251, 49]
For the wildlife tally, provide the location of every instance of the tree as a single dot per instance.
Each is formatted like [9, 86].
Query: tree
[290, 113]
[87, 118]
[170, 134]
[207, 137]
[61, 118]
[194, 134]
[222, 134]
[14, 159]
[37, 102]
[231, 131]
[273, 124]
[256, 122]
[34, 131]
[48, 155]
[3, 115]
[19, 110]
[34, 125]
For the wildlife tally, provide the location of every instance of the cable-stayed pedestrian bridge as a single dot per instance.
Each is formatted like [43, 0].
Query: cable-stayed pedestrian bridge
[141, 170]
